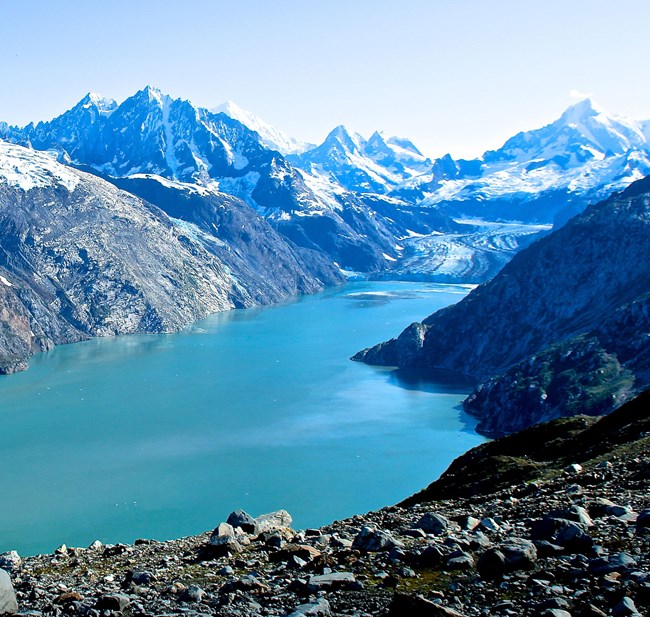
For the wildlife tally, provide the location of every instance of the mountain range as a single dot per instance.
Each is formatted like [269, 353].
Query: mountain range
[281, 217]
[377, 206]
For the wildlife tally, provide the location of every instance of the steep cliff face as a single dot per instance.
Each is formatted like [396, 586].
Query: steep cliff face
[79, 258]
[590, 277]
[268, 266]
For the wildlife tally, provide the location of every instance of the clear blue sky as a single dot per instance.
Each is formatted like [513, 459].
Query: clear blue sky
[455, 76]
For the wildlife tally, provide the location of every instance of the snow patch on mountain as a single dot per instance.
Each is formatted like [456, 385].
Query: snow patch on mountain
[29, 169]
[270, 136]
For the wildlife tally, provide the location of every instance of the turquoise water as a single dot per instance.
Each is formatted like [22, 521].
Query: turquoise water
[162, 436]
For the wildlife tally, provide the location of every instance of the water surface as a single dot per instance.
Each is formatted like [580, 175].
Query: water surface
[162, 436]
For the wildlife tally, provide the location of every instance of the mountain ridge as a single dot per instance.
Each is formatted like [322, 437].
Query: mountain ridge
[580, 281]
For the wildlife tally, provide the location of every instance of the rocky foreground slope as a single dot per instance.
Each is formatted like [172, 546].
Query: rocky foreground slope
[562, 329]
[553, 522]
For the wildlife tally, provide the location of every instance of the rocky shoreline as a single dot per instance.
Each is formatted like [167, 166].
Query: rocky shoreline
[566, 540]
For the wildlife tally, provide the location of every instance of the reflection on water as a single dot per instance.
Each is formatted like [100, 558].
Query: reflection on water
[163, 435]
[436, 380]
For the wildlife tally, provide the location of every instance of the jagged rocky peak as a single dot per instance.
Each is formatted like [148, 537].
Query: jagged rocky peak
[566, 310]
[405, 144]
[349, 142]
[103, 104]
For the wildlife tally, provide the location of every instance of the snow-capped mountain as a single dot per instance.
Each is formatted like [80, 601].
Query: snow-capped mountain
[582, 157]
[152, 134]
[272, 137]
[369, 205]
[376, 165]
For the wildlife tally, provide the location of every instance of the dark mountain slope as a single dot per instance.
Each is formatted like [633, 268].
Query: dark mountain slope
[589, 279]
[543, 450]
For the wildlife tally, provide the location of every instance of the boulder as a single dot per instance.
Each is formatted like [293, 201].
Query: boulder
[319, 608]
[519, 554]
[242, 519]
[374, 540]
[10, 560]
[193, 593]
[433, 523]
[643, 520]
[301, 551]
[403, 605]
[491, 564]
[574, 513]
[625, 607]
[8, 603]
[113, 602]
[273, 521]
[330, 582]
[619, 562]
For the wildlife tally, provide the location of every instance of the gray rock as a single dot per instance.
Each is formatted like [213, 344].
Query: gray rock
[246, 583]
[555, 612]
[8, 603]
[574, 468]
[272, 521]
[459, 561]
[643, 519]
[113, 602]
[242, 519]
[574, 513]
[468, 523]
[625, 607]
[432, 522]
[491, 564]
[319, 608]
[333, 581]
[141, 577]
[489, 524]
[222, 545]
[619, 562]
[374, 540]
[193, 593]
[223, 529]
[403, 605]
[519, 554]
[570, 535]
[555, 603]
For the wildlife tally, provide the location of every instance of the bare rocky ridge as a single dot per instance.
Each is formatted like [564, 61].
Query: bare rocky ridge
[81, 258]
[501, 533]
[563, 328]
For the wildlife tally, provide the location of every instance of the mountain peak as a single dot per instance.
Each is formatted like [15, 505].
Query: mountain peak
[102, 103]
[586, 108]
[271, 136]
[230, 108]
[151, 94]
